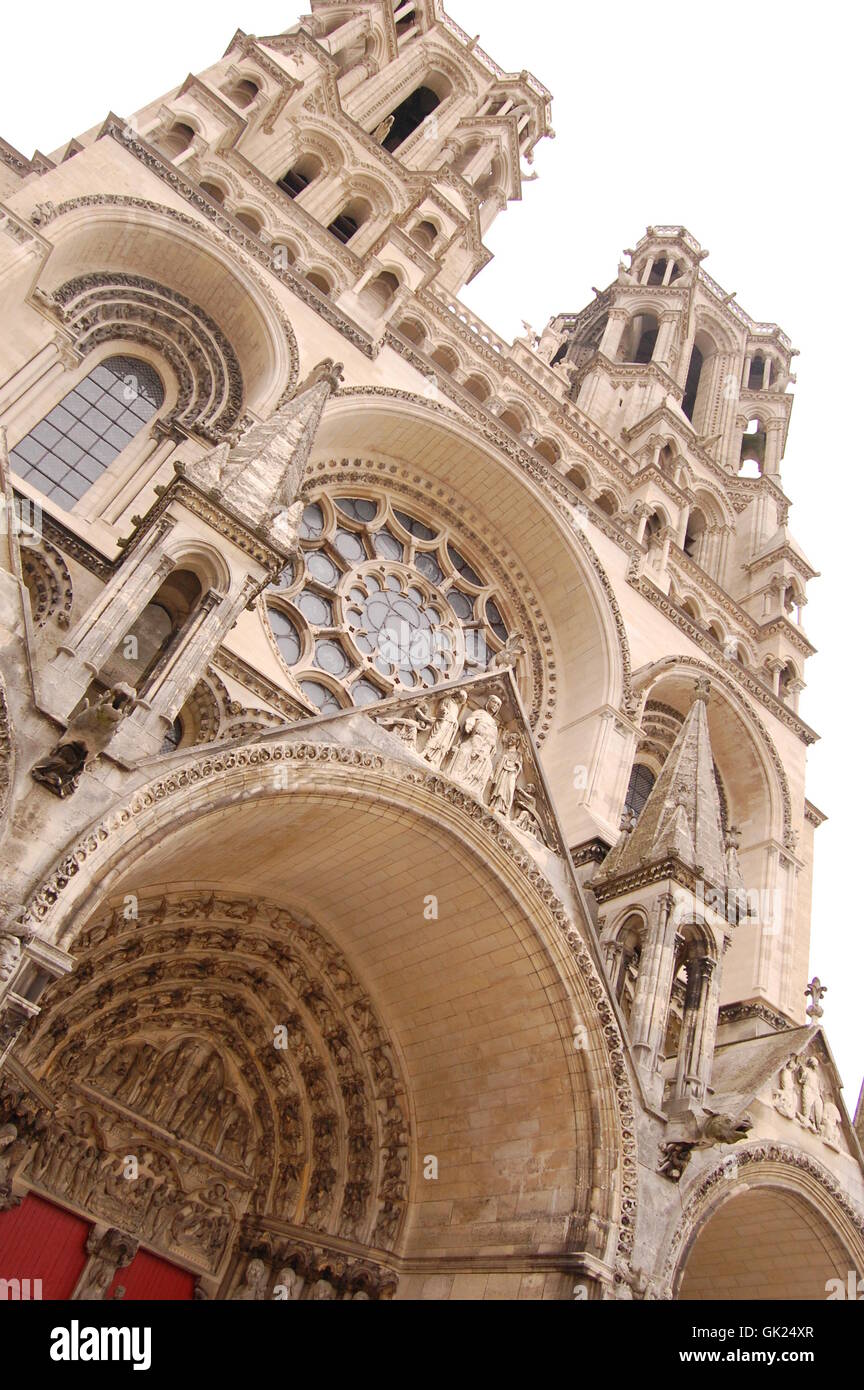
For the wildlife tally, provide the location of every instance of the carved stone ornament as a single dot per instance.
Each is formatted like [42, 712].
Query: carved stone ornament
[464, 734]
[675, 1154]
[802, 1094]
[88, 735]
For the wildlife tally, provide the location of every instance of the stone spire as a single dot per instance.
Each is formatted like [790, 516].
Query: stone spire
[682, 814]
[259, 477]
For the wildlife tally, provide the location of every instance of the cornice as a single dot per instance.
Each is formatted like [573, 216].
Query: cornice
[781, 552]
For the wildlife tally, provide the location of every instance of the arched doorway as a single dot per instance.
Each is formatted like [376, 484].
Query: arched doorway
[301, 1003]
[761, 1244]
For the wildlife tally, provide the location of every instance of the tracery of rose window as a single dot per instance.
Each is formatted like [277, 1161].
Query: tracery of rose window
[380, 601]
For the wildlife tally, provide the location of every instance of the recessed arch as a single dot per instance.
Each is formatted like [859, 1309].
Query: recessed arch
[222, 805]
[92, 234]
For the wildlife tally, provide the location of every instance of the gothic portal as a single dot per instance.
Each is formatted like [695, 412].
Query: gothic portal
[404, 837]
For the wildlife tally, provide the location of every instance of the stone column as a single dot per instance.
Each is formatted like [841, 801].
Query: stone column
[696, 1044]
[654, 986]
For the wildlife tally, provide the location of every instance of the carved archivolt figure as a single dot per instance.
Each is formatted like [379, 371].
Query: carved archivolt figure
[88, 735]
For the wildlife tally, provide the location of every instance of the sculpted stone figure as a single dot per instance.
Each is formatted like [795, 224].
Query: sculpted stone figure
[380, 133]
[445, 728]
[405, 728]
[506, 776]
[13, 937]
[88, 735]
[785, 1098]
[472, 762]
[288, 1285]
[831, 1124]
[526, 817]
[108, 1253]
[812, 1102]
[254, 1286]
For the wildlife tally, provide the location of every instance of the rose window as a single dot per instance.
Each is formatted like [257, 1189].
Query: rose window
[379, 601]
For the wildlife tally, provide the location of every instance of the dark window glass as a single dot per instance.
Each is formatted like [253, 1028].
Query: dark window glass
[641, 781]
[71, 448]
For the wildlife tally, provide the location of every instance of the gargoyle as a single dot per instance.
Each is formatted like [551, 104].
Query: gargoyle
[675, 1154]
[88, 735]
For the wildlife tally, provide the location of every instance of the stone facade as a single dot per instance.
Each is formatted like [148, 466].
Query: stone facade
[404, 834]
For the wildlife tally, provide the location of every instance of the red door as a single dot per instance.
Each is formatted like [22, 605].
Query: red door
[150, 1278]
[39, 1240]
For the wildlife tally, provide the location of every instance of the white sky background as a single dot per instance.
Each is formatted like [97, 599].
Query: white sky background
[741, 120]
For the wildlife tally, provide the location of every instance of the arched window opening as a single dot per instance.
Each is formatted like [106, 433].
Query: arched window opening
[411, 113]
[300, 175]
[697, 387]
[756, 375]
[444, 357]
[350, 220]
[425, 234]
[753, 449]
[653, 526]
[716, 631]
[378, 293]
[607, 503]
[639, 339]
[695, 533]
[154, 634]
[320, 281]
[788, 677]
[691, 386]
[578, 478]
[627, 959]
[478, 388]
[412, 330]
[548, 449]
[242, 92]
[213, 191]
[72, 446]
[692, 611]
[284, 254]
[658, 271]
[249, 220]
[642, 780]
[513, 419]
[176, 140]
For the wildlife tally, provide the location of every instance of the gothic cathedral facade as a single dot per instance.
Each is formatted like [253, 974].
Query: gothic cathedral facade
[405, 849]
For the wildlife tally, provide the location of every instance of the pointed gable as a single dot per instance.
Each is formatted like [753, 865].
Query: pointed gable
[681, 817]
[260, 477]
